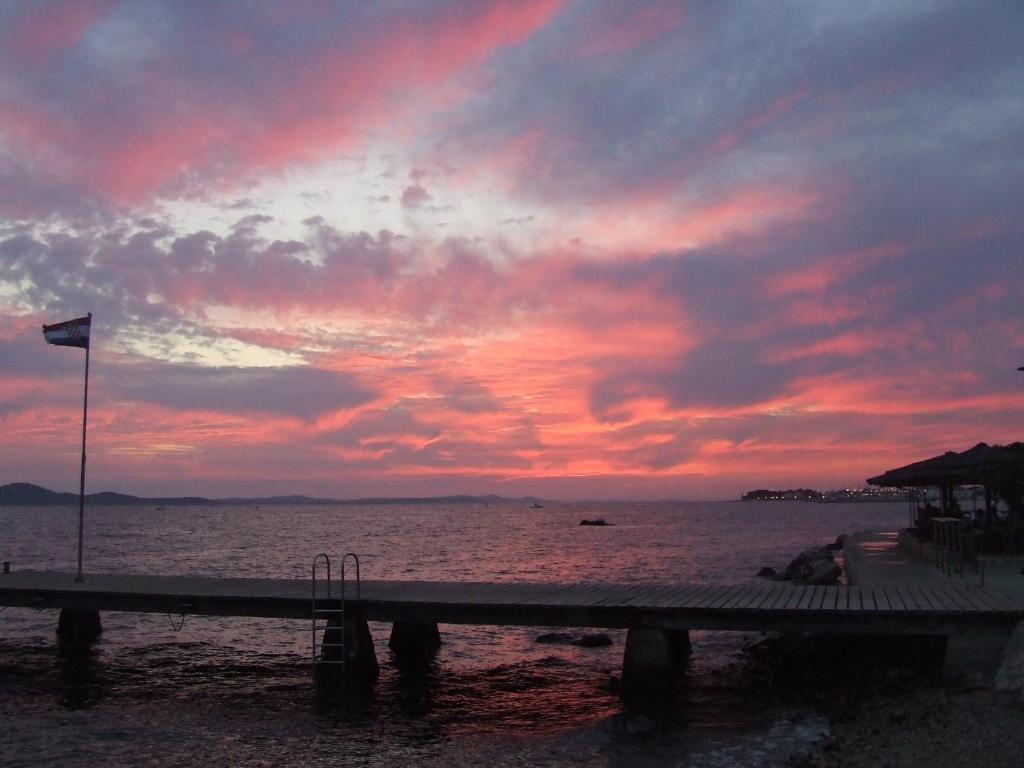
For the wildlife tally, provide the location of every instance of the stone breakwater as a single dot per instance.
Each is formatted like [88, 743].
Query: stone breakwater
[812, 566]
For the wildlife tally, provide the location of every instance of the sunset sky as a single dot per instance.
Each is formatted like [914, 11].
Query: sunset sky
[569, 249]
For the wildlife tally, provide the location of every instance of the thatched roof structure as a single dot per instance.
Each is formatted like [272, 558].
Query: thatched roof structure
[981, 465]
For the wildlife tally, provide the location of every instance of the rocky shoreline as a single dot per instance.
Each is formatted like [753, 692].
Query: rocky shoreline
[931, 726]
[885, 699]
[886, 704]
[812, 566]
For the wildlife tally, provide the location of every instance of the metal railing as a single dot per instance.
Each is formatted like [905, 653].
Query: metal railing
[328, 611]
[328, 647]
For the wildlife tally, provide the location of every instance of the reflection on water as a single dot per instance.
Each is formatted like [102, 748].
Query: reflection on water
[238, 691]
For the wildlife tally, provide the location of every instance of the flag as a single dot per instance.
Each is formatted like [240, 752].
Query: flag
[70, 333]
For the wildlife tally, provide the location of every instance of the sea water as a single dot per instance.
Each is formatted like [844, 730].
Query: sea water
[233, 691]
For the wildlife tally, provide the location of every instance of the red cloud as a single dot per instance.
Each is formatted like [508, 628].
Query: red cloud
[651, 220]
[829, 270]
[630, 26]
[161, 125]
[352, 90]
[754, 122]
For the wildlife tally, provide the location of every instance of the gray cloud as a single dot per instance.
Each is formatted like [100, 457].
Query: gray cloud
[382, 428]
[802, 91]
[299, 391]
[414, 196]
[903, 121]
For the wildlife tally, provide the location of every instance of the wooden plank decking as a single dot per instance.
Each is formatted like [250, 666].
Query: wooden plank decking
[934, 609]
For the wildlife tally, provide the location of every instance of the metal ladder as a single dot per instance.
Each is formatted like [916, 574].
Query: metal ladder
[328, 613]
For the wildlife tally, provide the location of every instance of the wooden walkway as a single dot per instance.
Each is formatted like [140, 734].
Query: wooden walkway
[948, 608]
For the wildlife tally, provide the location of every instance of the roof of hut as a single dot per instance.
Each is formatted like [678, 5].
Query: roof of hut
[974, 466]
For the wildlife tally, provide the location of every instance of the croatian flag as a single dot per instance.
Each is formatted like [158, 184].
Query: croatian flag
[70, 333]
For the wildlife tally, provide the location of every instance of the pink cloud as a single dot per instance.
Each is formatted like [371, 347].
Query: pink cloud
[162, 128]
[651, 222]
[629, 27]
[142, 163]
[850, 344]
[712, 287]
[499, 373]
[894, 394]
[350, 91]
[27, 127]
[830, 270]
[533, 153]
[758, 120]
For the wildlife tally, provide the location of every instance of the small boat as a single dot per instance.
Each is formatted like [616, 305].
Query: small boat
[536, 506]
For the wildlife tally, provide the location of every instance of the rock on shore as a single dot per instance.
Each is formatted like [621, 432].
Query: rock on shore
[812, 566]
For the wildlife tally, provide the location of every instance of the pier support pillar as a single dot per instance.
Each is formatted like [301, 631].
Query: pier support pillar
[360, 668]
[651, 662]
[78, 628]
[679, 644]
[414, 641]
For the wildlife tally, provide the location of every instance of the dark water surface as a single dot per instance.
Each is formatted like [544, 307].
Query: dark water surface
[238, 692]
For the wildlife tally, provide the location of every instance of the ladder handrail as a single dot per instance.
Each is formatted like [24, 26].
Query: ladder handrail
[318, 645]
[332, 616]
[316, 560]
[344, 561]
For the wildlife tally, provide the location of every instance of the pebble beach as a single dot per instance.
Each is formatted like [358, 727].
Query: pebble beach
[939, 727]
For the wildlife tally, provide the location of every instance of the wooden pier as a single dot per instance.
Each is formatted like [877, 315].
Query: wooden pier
[658, 617]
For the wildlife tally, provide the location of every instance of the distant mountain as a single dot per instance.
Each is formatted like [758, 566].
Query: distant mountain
[294, 499]
[460, 499]
[29, 495]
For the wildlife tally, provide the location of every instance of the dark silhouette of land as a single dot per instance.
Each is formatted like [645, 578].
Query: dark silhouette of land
[799, 494]
[844, 495]
[30, 495]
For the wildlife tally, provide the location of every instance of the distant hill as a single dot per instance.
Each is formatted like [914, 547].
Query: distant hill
[29, 495]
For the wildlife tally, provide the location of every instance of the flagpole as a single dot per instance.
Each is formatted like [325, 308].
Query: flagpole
[81, 485]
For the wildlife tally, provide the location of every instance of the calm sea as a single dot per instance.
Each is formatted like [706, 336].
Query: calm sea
[238, 692]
